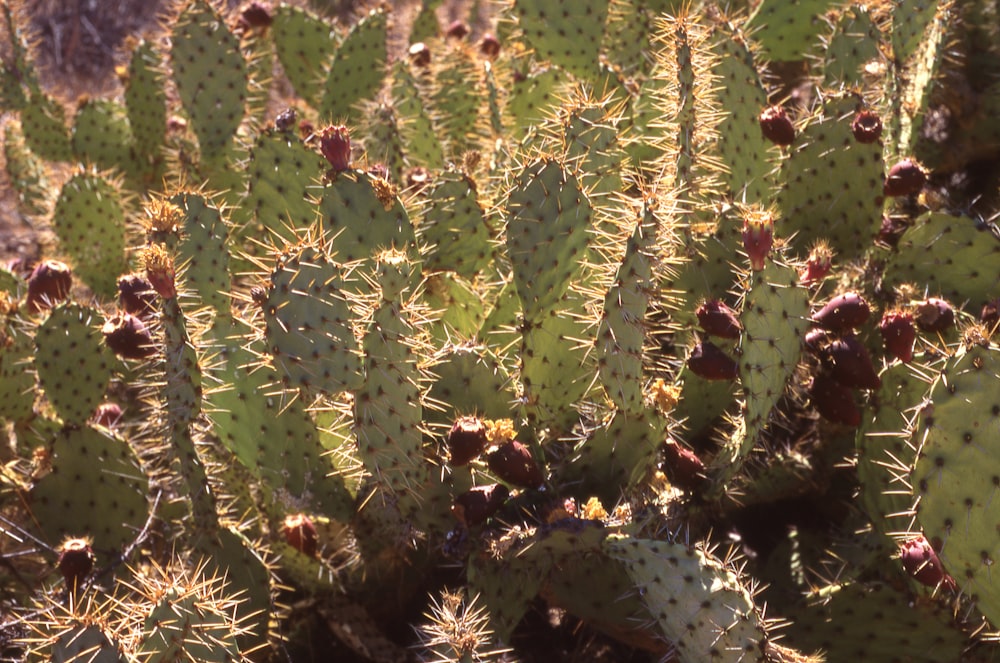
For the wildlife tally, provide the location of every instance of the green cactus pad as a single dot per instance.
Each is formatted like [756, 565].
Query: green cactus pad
[90, 223]
[309, 323]
[788, 29]
[775, 319]
[703, 402]
[456, 307]
[533, 97]
[742, 147]
[833, 184]
[931, 52]
[387, 407]
[102, 136]
[621, 334]
[469, 380]
[305, 45]
[12, 97]
[910, 22]
[85, 643]
[701, 605]
[282, 170]
[557, 362]
[17, 384]
[951, 256]
[27, 173]
[358, 68]
[885, 453]
[73, 363]
[383, 141]
[875, 622]
[548, 224]
[211, 76]
[361, 215]
[202, 252]
[957, 471]
[146, 100]
[43, 121]
[854, 44]
[457, 100]
[617, 456]
[95, 488]
[567, 33]
[626, 41]
[421, 144]
[454, 228]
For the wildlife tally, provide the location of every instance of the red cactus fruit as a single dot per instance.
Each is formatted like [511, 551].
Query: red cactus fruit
[256, 15]
[834, 401]
[758, 236]
[335, 144]
[457, 29]
[476, 505]
[923, 564]
[776, 126]
[934, 315]
[489, 46]
[107, 414]
[843, 312]
[419, 54]
[717, 319]
[891, 229]
[49, 284]
[850, 364]
[818, 264]
[816, 340]
[513, 463]
[76, 561]
[286, 120]
[128, 337]
[683, 467]
[136, 295]
[990, 315]
[866, 127]
[904, 179]
[898, 335]
[466, 440]
[709, 362]
[300, 533]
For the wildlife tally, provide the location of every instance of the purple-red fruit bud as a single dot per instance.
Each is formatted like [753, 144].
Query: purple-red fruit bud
[286, 120]
[898, 335]
[709, 362]
[834, 401]
[923, 564]
[683, 468]
[776, 126]
[476, 505]
[300, 533]
[107, 414]
[466, 440]
[891, 230]
[256, 15]
[816, 340]
[513, 463]
[758, 236]
[934, 315]
[49, 284]
[128, 337]
[335, 144]
[420, 54]
[904, 179]
[850, 364]
[990, 315]
[866, 127]
[817, 265]
[457, 29]
[136, 295]
[76, 561]
[717, 319]
[489, 46]
[846, 311]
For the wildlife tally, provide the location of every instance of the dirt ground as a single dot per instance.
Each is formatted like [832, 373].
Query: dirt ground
[76, 45]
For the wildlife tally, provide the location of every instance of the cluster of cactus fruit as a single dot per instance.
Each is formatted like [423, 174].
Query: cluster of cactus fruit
[547, 318]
